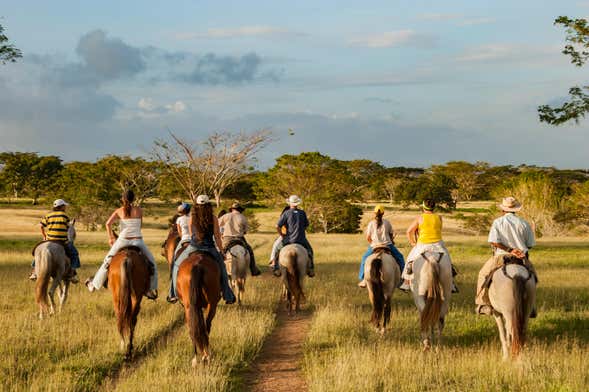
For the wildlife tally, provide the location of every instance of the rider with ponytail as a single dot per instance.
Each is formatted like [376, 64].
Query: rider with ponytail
[130, 218]
[379, 234]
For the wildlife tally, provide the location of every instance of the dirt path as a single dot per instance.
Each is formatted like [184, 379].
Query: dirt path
[278, 366]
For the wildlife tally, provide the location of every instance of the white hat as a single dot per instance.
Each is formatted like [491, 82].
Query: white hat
[59, 203]
[202, 199]
[294, 200]
[510, 204]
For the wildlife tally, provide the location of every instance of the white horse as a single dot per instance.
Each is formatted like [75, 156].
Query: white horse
[512, 294]
[382, 275]
[51, 262]
[432, 290]
[237, 261]
[293, 260]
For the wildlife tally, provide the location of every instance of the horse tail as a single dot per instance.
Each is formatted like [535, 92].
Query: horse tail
[196, 320]
[294, 280]
[518, 323]
[43, 277]
[124, 309]
[430, 314]
[375, 283]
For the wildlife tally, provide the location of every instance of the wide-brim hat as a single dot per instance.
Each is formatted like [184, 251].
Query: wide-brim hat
[202, 199]
[59, 203]
[510, 204]
[236, 206]
[294, 200]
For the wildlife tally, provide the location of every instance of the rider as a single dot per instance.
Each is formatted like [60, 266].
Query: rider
[277, 245]
[234, 227]
[379, 234]
[295, 220]
[425, 234]
[509, 235]
[130, 218]
[54, 227]
[204, 231]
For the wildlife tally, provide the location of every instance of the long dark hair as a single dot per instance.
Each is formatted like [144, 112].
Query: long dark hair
[378, 216]
[202, 219]
[429, 204]
[128, 198]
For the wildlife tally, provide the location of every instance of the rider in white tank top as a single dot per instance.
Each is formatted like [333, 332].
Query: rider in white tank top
[130, 228]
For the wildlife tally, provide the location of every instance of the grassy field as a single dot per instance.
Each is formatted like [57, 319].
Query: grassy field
[78, 349]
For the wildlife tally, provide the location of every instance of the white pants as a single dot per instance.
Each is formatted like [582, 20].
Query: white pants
[276, 249]
[418, 249]
[102, 273]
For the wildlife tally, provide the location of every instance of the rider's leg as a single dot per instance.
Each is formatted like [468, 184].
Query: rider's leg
[276, 247]
[483, 306]
[364, 257]
[102, 274]
[254, 270]
[152, 294]
[228, 295]
[172, 297]
[398, 257]
[311, 264]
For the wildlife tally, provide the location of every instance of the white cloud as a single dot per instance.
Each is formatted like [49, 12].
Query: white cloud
[244, 31]
[487, 52]
[513, 53]
[439, 16]
[391, 39]
[149, 109]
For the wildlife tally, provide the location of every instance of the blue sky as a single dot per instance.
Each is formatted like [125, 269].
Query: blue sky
[401, 82]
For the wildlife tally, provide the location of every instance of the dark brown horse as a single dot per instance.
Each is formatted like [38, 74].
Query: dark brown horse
[198, 286]
[128, 279]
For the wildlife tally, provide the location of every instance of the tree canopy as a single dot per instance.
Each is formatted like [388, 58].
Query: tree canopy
[8, 52]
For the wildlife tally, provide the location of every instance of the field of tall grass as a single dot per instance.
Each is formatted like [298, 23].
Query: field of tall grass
[78, 349]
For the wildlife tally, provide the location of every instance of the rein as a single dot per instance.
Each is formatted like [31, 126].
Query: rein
[440, 255]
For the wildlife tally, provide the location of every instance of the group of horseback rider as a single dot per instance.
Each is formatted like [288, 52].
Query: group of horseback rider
[511, 237]
[199, 230]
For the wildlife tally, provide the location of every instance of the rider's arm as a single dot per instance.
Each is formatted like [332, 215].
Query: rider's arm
[43, 232]
[411, 232]
[179, 229]
[113, 218]
[516, 252]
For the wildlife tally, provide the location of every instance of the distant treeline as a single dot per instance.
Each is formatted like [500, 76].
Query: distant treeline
[330, 188]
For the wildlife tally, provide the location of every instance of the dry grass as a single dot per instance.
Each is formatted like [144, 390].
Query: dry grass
[78, 349]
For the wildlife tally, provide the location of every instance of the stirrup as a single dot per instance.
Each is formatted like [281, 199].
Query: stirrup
[276, 272]
[151, 294]
[172, 300]
[484, 310]
[362, 284]
[33, 276]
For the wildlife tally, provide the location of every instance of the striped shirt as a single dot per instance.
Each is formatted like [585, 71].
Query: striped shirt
[56, 225]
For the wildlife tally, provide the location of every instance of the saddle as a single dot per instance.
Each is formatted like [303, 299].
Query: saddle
[182, 248]
[62, 243]
[231, 244]
[505, 261]
[143, 257]
[382, 249]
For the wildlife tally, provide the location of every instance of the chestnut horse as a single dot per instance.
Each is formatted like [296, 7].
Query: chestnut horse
[198, 286]
[128, 279]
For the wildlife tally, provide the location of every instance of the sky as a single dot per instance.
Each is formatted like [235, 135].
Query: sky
[404, 83]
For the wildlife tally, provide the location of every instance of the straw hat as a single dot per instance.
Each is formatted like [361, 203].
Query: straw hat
[510, 204]
[294, 200]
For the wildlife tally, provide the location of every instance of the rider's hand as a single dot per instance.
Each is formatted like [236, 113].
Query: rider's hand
[518, 253]
[111, 241]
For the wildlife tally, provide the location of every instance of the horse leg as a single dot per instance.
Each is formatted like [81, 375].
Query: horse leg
[63, 294]
[387, 314]
[502, 335]
[51, 294]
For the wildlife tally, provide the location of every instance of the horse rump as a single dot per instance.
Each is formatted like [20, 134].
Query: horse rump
[196, 320]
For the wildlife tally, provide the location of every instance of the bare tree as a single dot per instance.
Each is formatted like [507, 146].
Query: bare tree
[213, 165]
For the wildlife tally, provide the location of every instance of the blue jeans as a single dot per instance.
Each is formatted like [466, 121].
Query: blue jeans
[396, 255]
[226, 290]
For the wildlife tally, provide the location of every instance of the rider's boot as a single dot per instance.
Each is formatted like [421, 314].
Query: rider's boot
[406, 286]
[33, 275]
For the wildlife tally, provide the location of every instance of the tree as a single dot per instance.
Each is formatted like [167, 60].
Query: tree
[577, 31]
[436, 186]
[466, 177]
[28, 174]
[213, 165]
[324, 184]
[8, 52]
[43, 174]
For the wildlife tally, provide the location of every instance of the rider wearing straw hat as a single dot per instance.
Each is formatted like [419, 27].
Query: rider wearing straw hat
[510, 235]
[234, 226]
[296, 222]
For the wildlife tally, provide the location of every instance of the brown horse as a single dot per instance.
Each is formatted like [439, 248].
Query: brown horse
[198, 286]
[128, 278]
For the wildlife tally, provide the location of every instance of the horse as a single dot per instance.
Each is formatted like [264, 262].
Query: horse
[51, 262]
[199, 286]
[382, 276]
[128, 279]
[432, 290]
[237, 261]
[293, 266]
[512, 294]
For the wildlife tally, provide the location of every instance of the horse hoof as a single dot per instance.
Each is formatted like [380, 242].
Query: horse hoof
[194, 362]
